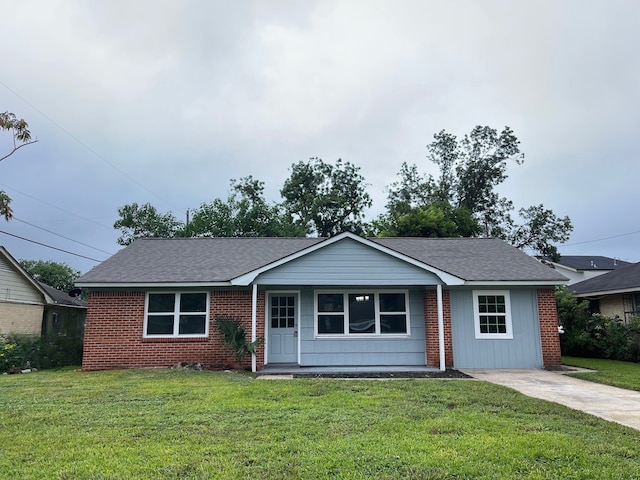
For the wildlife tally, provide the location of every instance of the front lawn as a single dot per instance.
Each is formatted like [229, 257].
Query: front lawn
[609, 372]
[200, 425]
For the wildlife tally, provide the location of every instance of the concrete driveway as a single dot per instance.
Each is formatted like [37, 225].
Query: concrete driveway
[611, 403]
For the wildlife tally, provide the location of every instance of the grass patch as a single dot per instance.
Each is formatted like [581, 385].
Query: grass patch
[186, 424]
[610, 372]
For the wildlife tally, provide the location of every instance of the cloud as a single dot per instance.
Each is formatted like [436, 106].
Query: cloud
[165, 101]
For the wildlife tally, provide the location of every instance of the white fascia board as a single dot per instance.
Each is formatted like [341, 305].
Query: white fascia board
[249, 277]
[565, 267]
[608, 292]
[152, 284]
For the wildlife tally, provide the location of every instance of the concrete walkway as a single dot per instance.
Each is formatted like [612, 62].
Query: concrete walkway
[611, 403]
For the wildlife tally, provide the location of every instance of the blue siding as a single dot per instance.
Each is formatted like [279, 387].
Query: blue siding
[347, 262]
[362, 351]
[523, 351]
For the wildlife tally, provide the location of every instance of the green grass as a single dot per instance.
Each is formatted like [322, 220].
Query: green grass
[177, 424]
[609, 372]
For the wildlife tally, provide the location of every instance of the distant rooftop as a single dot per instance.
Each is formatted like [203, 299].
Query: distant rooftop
[590, 262]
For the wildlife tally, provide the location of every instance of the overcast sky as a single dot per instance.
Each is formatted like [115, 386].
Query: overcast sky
[165, 101]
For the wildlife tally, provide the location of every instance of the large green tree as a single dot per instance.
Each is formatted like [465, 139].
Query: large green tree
[145, 221]
[464, 194]
[325, 199]
[20, 137]
[245, 213]
[54, 274]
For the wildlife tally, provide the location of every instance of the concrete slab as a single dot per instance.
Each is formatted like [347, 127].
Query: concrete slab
[611, 403]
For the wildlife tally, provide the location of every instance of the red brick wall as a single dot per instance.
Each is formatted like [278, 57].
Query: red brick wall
[115, 321]
[431, 328]
[549, 336]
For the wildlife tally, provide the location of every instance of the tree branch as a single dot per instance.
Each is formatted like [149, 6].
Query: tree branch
[18, 147]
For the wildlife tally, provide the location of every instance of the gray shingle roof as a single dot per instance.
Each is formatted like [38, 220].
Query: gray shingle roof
[474, 259]
[591, 262]
[63, 298]
[194, 260]
[209, 260]
[625, 278]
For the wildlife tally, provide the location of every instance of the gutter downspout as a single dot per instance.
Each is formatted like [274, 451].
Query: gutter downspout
[254, 322]
[441, 329]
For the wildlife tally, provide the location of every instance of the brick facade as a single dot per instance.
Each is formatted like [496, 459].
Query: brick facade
[115, 322]
[431, 328]
[549, 336]
[114, 329]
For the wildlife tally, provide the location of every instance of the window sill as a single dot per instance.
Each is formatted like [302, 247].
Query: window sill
[494, 337]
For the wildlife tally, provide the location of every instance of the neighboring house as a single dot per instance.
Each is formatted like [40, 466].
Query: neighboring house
[615, 294]
[31, 307]
[583, 267]
[342, 301]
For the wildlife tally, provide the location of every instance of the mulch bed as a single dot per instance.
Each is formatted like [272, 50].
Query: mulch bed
[439, 374]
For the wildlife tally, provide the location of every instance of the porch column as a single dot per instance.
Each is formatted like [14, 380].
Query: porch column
[254, 323]
[441, 328]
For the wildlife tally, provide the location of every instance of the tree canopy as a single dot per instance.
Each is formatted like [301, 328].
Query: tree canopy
[245, 213]
[20, 137]
[144, 221]
[54, 274]
[463, 199]
[325, 199]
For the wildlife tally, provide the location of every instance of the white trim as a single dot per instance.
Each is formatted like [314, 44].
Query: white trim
[443, 366]
[254, 323]
[345, 313]
[249, 277]
[267, 326]
[176, 315]
[601, 293]
[507, 315]
[152, 284]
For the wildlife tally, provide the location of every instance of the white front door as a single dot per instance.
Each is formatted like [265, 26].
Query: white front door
[282, 326]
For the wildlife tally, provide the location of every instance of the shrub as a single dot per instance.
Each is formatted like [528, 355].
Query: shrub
[18, 352]
[596, 336]
[235, 336]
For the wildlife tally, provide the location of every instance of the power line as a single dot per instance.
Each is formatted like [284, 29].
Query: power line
[55, 206]
[49, 246]
[601, 239]
[66, 132]
[61, 236]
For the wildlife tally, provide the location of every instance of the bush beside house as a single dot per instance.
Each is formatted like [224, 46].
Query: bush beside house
[595, 335]
[18, 352]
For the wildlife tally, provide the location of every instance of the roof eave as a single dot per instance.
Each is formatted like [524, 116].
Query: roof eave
[151, 284]
[599, 293]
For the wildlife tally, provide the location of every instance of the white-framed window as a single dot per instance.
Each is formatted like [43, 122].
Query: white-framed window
[176, 314]
[492, 314]
[361, 312]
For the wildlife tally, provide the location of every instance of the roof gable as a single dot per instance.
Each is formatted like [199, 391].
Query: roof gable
[351, 259]
[16, 277]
